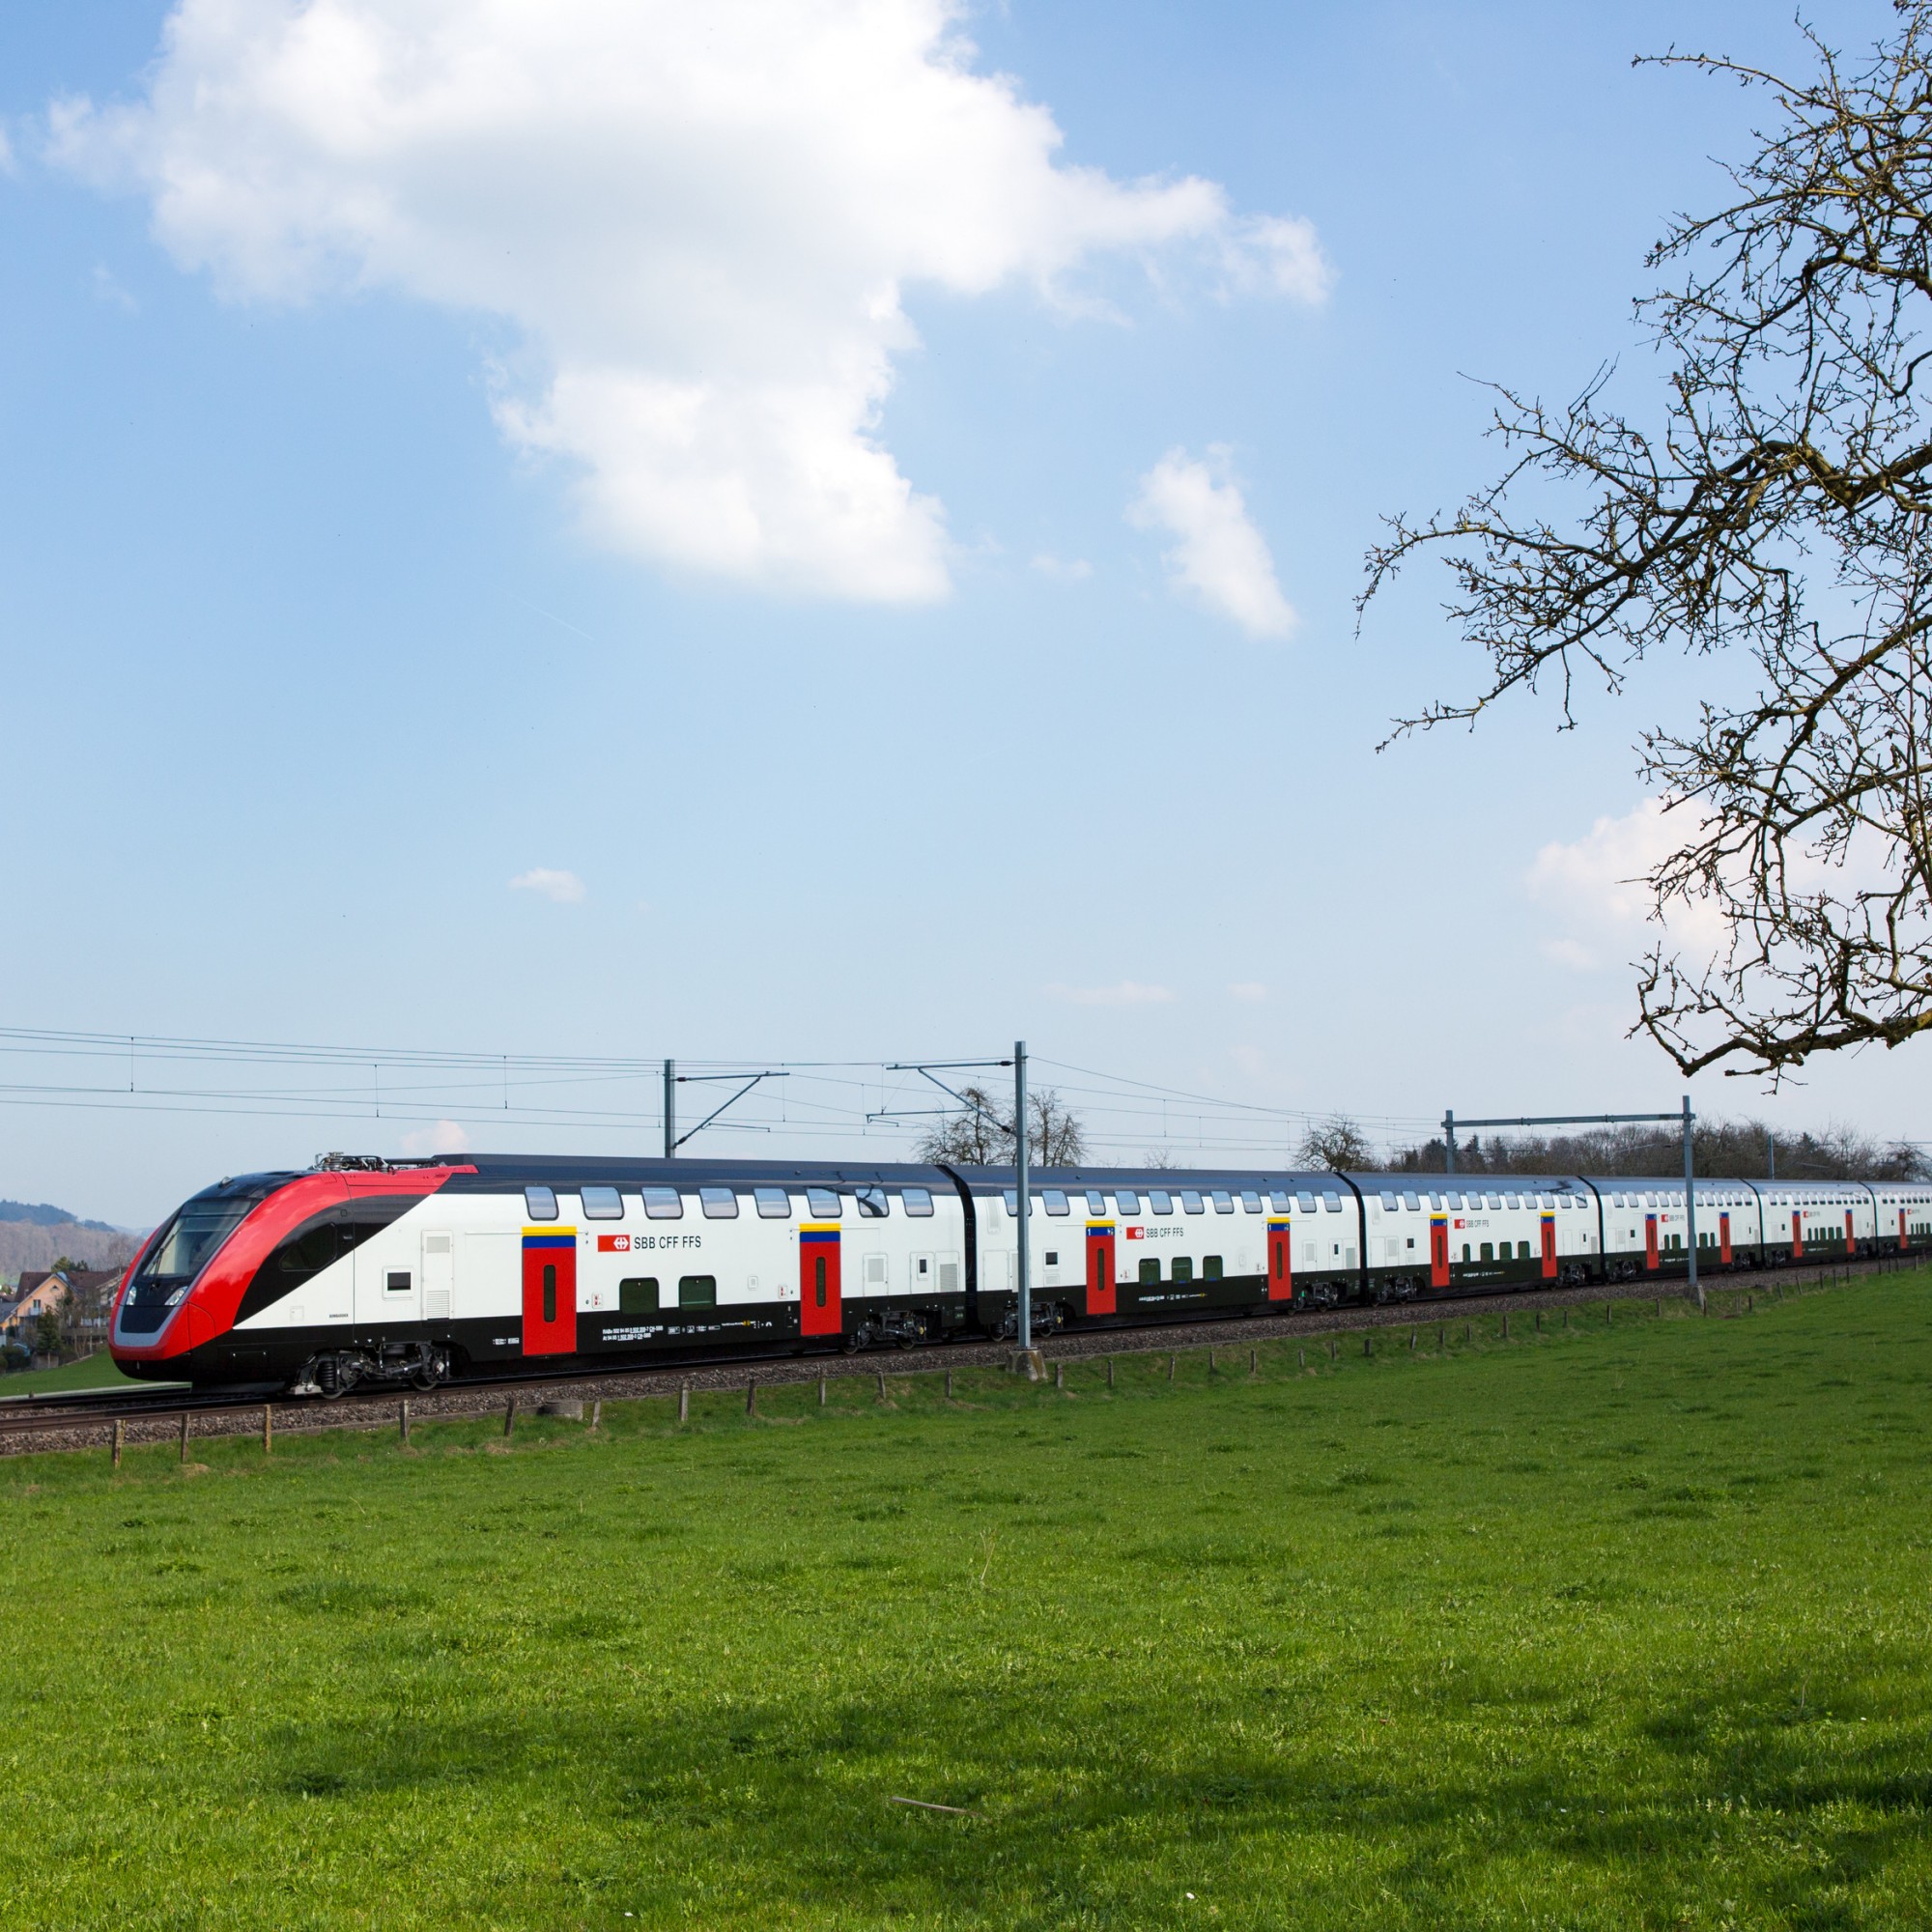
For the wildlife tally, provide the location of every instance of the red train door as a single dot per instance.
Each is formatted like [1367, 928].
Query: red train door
[1724, 1239]
[1649, 1241]
[1549, 1247]
[1099, 1267]
[1438, 1251]
[1281, 1270]
[550, 1291]
[1903, 1240]
[1797, 1233]
[1851, 1238]
[819, 1312]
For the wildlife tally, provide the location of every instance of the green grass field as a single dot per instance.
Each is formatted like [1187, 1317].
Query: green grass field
[95, 1370]
[1623, 1628]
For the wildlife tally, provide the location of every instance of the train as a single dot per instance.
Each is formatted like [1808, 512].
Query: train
[366, 1271]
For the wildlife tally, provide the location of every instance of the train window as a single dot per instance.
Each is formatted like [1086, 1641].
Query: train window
[1331, 1201]
[698, 1290]
[1465, 1251]
[1509, 1200]
[1181, 1268]
[1523, 1251]
[872, 1202]
[602, 1204]
[1126, 1201]
[1492, 1201]
[1210, 1268]
[720, 1204]
[1055, 1198]
[1650, 1200]
[822, 1203]
[1489, 1251]
[540, 1203]
[918, 1202]
[1412, 1200]
[639, 1296]
[397, 1281]
[1151, 1274]
[773, 1204]
[1191, 1202]
[1159, 1201]
[1224, 1202]
[1388, 1202]
[663, 1203]
[1013, 1202]
[1097, 1203]
[1436, 1203]
[1252, 1202]
[303, 1254]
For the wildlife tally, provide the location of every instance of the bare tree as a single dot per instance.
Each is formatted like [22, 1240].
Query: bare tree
[1780, 507]
[1337, 1144]
[983, 1135]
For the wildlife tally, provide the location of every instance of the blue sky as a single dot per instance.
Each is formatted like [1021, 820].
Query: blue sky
[339, 587]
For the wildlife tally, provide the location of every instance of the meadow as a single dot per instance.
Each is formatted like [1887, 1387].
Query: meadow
[1614, 1626]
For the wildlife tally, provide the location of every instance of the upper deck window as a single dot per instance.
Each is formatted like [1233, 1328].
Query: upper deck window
[1331, 1201]
[1160, 1201]
[1252, 1202]
[1224, 1202]
[1055, 1198]
[822, 1203]
[773, 1204]
[873, 1203]
[720, 1204]
[664, 1203]
[1191, 1202]
[1127, 1201]
[1412, 1200]
[602, 1204]
[540, 1203]
[918, 1201]
[1388, 1202]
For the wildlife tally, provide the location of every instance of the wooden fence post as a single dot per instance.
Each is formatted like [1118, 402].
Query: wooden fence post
[403, 1422]
[184, 1451]
[683, 1401]
[1368, 1343]
[1170, 1368]
[1411, 1338]
[1332, 1355]
[750, 1394]
[882, 1384]
[1110, 1372]
[1254, 1368]
[1301, 1358]
[509, 1417]
[1506, 1325]
[1060, 1375]
[268, 1428]
[119, 1438]
[821, 1386]
[949, 1383]
[597, 1414]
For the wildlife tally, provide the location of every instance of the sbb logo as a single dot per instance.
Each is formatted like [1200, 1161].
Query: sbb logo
[1136, 1233]
[613, 1244]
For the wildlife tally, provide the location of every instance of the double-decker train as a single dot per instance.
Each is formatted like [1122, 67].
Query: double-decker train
[364, 1270]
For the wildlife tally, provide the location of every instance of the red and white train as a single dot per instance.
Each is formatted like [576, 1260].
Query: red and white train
[413, 1272]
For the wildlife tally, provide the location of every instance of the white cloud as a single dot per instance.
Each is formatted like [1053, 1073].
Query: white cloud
[1594, 888]
[703, 221]
[1063, 569]
[445, 1137]
[565, 888]
[1251, 990]
[1127, 993]
[1218, 554]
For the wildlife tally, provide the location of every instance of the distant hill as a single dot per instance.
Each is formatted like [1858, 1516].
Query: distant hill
[41, 1215]
[31, 1245]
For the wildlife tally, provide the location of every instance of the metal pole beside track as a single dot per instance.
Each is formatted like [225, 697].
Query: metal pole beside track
[670, 1108]
[1691, 1204]
[1449, 1140]
[1025, 1361]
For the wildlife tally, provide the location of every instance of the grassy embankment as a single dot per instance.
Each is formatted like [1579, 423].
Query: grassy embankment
[94, 1370]
[1600, 1628]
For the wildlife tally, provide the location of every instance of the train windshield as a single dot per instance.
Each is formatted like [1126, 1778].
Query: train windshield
[189, 1241]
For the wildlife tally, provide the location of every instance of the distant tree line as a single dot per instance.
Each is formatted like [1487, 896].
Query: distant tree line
[982, 1134]
[1719, 1151]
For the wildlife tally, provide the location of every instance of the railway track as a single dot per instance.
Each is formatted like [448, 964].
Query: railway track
[86, 1418]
